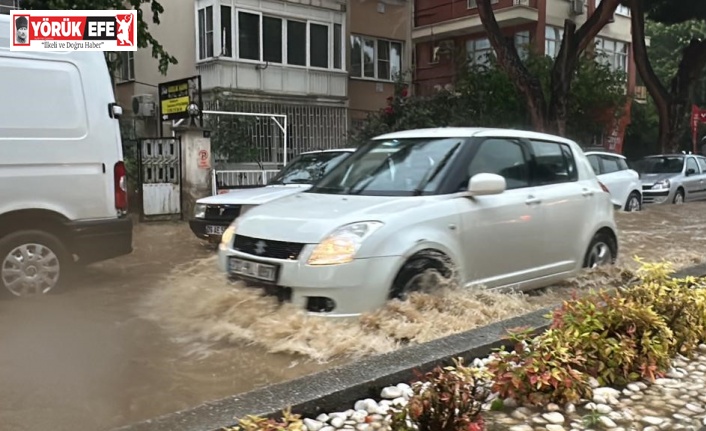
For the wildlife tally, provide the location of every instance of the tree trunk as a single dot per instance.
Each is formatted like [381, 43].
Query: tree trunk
[691, 66]
[573, 44]
[512, 64]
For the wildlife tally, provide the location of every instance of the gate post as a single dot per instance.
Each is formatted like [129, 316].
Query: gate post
[196, 166]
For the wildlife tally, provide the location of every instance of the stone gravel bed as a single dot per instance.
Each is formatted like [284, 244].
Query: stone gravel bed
[675, 402]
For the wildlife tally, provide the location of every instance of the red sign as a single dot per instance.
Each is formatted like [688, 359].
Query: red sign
[698, 116]
[204, 160]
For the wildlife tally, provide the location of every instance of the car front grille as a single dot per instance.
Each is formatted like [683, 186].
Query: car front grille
[222, 212]
[267, 247]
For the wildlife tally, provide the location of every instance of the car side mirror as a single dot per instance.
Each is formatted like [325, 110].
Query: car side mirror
[486, 184]
[690, 171]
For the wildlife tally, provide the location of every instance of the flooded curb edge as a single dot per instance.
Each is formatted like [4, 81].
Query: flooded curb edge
[336, 389]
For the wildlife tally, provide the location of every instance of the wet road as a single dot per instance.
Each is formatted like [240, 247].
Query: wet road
[87, 359]
[84, 360]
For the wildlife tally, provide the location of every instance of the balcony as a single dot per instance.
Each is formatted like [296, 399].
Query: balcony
[454, 20]
[273, 78]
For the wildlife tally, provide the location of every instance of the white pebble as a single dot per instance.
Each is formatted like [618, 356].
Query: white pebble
[323, 417]
[695, 408]
[551, 407]
[359, 416]
[634, 387]
[391, 392]
[554, 417]
[554, 427]
[570, 408]
[599, 399]
[313, 425]
[593, 383]
[362, 427]
[607, 422]
[522, 427]
[400, 402]
[603, 409]
[509, 402]
[328, 428]
[337, 421]
[652, 420]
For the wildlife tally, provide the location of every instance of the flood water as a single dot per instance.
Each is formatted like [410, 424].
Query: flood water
[160, 331]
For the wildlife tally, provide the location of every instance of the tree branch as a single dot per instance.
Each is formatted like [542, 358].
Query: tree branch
[510, 61]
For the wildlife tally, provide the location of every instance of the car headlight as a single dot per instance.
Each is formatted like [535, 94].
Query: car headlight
[661, 185]
[200, 211]
[228, 234]
[341, 245]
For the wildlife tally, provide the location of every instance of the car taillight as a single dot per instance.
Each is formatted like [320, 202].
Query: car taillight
[120, 185]
[605, 189]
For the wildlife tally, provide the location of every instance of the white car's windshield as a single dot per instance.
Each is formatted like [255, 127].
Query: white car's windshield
[396, 167]
[309, 168]
[660, 165]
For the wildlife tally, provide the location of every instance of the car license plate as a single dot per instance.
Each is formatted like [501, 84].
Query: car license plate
[261, 271]
[215, 230]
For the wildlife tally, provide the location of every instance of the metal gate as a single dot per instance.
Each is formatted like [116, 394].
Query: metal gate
[160, 176]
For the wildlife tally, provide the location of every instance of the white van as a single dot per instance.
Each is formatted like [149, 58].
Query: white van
[63, 191]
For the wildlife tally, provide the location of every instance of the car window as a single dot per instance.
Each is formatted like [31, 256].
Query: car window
[554, 163]
[623, 164]
[502, 157]
[610, 164]
[702, 163]
[691, 164]
[595, 163]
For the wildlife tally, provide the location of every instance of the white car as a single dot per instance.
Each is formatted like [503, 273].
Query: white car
[465, 203]
[622, 182]
[213, 214]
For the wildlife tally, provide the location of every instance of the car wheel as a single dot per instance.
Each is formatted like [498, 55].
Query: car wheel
[601, 251]
[32, 263]
[679, 197]
[422, 272]
[634, 202]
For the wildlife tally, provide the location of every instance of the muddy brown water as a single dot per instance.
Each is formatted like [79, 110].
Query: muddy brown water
[132, 339]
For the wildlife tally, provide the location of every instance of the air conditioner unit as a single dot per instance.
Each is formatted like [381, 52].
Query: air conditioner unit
[577, 7]
[143, 105]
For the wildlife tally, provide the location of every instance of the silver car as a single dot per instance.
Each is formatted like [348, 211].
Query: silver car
[672, 178]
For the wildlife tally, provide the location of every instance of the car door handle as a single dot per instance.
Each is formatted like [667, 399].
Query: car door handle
[587, 192]
[532, 200]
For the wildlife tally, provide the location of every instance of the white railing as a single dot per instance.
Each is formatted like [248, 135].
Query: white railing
[222, 181]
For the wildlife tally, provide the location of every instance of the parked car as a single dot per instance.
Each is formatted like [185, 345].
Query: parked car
[622, 182]
[63, 183]
[465, 203]
[672, 178]
[213, 214]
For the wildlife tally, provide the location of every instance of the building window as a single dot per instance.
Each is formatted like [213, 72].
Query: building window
[205, 32]
[226, 31]
[373, 58]
[125, 67]
[615, 53]
[552, 40]
[621, 9]
[479, 51]
[522, 43]
[473, 4]
[249, 36]
[287, 41]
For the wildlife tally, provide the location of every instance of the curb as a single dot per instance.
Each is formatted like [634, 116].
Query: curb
[334, 389]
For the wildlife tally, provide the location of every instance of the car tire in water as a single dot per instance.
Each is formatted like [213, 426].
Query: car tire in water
[420, 272]
[601, 251]
[633, 203]
[32, 262]
[678, 197]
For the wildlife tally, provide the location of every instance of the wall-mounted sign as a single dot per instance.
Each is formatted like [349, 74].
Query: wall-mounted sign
[175, 97]
[204, 160]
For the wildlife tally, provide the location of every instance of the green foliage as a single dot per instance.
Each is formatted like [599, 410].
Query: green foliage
[674, 12]
[144, 37]
[231, 135]
[445, 399]
[681, 302]
[484, 96]
[540, 370]
[621, 340]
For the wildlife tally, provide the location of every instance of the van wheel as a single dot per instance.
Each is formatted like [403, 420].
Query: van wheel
[421, 272]
[633, 203]
[601, 251]
[32, 262]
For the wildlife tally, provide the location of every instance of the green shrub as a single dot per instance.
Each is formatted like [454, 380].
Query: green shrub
[445, 399]
[545, 371]
[681, 302]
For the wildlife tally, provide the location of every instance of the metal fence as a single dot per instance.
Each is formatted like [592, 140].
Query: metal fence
[223, 181]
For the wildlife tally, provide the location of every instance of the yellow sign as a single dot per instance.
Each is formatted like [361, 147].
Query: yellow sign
[175, 106]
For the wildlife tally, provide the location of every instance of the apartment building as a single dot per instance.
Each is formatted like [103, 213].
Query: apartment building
[7, 5]
[323, 63]
[446, 32]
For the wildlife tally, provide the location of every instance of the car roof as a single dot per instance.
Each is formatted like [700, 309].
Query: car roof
[605, 153]
[332, 150]
[468, 132]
